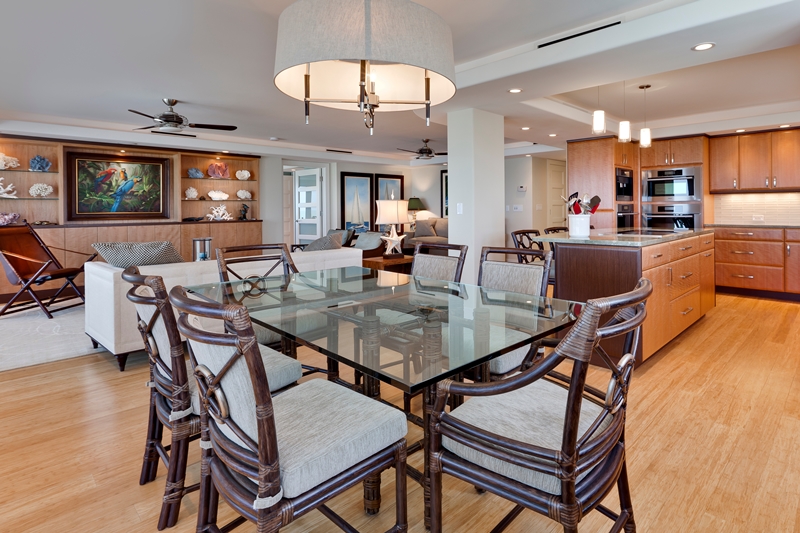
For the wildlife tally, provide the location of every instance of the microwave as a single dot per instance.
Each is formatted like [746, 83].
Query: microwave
[673, 185]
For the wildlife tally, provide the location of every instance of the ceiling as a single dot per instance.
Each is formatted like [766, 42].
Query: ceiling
[91, 60]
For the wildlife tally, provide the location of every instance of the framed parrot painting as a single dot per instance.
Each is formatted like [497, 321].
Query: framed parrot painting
[105, 187]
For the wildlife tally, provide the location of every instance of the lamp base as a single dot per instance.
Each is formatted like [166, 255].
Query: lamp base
[393, 256]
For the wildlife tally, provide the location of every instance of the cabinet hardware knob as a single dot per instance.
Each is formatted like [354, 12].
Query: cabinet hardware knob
[687, 275]
[766, 180]
[734, 183]
[688, 310]
[657, 256]
[685, 248]
[706, 242]
[774, 181]
[750, 233]
[742, 276]
[672, 159]
[741, 252]
[707, 255]
[788, 250]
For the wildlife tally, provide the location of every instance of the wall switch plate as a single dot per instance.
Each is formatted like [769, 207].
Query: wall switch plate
[508, 208]
[538, 207]
[758, 218]
[517, 207]
[459, 209]
[522, 188]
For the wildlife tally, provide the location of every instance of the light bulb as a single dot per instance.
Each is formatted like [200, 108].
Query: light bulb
[599, 121]
[644, 138]
[625, 131]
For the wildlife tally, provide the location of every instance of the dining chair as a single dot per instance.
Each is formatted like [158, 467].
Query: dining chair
[547, 441]
[174, 398]
[441, 267]
[525, 239]
[527, 277]
[272, 460]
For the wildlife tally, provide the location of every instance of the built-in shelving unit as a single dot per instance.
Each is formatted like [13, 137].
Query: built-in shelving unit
[31, 208]
[230, 186]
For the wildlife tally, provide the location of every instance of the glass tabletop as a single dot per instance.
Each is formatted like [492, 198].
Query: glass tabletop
[404, 330]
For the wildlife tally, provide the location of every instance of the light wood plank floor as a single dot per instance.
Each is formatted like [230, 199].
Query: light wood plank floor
[713, 432]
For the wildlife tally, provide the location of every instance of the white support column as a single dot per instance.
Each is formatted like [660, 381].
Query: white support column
[476, 176]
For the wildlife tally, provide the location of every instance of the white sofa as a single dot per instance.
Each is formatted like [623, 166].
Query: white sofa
[111, 318]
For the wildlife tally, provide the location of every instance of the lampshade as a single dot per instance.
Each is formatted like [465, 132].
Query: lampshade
[392, 212]
[644, 138]
[391, 279]
[415, 204]
[599, 121]
[624, 131]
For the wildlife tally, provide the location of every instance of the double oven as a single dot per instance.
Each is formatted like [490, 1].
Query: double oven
[672, 199]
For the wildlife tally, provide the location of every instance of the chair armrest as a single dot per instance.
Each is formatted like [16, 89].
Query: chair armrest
[300, 247]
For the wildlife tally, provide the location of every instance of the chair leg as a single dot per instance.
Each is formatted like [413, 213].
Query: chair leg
[209, 497]
[625, 502]
[154, 432]
[372, 494]
[401, 498]
[435, 487]
[176, 476]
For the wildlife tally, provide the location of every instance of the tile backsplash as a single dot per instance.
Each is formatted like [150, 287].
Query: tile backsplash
[775, 208]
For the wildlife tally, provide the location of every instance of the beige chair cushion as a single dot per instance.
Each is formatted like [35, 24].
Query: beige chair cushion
[434, 267]
[533, 414]
[514, 277]
[509, 361]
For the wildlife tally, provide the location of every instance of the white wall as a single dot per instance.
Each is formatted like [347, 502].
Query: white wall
[270, 199]
[519, 171]
[426, 184]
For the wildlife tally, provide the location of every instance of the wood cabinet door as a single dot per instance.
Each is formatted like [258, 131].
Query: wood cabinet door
[708, 295]
[590, 169]
[786, 159]
[663, 152]
[656, 328]
[724, 163]
[792, 267]
[755, 161]
[647, 157]
[686, 151]
[626, 155]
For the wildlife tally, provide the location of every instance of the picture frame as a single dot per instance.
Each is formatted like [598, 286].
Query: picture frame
[385, 186]
[357, 204]
[117, 187]
[444, 193]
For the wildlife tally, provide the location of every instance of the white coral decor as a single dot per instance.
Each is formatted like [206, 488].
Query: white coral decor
[8, 161]
[6, 192]
[40, 189]
[219, 213]
[217, 195]
[244, 195]
[191, 193]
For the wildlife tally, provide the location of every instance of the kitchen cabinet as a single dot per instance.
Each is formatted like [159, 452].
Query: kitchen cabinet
[674, 152]
[656, 327]
[724, 163]
[626, 155]
[750, 258]
[708, 295]
[590, 169]
[786, 159]
[755, 161]
[792, 264]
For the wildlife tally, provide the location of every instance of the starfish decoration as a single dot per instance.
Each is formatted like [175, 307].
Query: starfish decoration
[393, 242]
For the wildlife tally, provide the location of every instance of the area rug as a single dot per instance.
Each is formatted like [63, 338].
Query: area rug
[30, 338]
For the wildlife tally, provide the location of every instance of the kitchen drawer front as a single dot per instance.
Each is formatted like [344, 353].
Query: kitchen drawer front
[684, 276]
[684, 248]
[656, 255]
[684, 311]
[750, 253]
[793, 235]
[749, 234]
[707, 241]
[763, 278]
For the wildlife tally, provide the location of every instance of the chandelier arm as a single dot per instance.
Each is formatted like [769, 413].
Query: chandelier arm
[331, 101]
[362, 86]
[427, 99]
[415, 102]
[307, 100]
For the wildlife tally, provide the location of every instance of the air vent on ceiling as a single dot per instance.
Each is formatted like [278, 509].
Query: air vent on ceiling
[568, 37]
[338, 151]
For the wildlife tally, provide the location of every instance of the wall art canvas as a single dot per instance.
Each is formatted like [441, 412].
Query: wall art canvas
[388, 187]
[444, 194]
[103, 187]
[357, 207]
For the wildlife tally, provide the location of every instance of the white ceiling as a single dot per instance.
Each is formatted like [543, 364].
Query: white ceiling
[88, 61]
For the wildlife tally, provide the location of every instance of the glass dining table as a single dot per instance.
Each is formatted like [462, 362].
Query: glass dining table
[408, 332]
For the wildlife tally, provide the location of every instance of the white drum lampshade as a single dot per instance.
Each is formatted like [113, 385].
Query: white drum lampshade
[392, 212]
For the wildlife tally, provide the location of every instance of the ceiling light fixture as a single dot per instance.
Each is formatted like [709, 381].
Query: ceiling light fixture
[552, 135]
[400, 48]
[645, 138]
[527, 155]
[225, 151]
[786, 125]
[625, 125]
[515, 91]
[598, 117]
[525, 128]
[122, 151]
[702, 47]
[740, 131]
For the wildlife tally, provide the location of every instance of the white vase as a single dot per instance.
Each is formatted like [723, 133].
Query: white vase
[578, 225]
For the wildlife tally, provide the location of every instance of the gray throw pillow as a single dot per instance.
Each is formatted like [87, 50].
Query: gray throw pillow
[425, 228]
[328, 242]
[347, 235]
[441, 227]
[125, 254]
[369, 241]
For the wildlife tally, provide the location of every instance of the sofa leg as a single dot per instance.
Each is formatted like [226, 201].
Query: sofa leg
[95, 344]
[121, 360]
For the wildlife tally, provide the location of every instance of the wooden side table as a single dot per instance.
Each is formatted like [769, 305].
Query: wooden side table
[401, 265]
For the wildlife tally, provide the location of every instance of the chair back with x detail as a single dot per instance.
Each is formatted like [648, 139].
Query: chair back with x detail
[263, 260]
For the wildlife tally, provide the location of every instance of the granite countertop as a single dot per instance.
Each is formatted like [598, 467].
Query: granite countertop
[767, 226]
[614, 237]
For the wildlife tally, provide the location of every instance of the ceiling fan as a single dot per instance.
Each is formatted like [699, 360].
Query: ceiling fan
[424, 152]
[171, 123]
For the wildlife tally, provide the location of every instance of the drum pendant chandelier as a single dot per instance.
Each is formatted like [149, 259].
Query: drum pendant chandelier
[370, 55]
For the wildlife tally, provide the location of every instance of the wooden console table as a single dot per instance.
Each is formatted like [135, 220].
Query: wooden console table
[401, 264]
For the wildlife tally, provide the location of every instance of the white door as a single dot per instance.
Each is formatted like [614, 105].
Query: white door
[556, 188]
[308, 205]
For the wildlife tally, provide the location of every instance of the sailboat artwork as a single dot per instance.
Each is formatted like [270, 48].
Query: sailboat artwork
[389, 187]
[356, 209]
[356, 220]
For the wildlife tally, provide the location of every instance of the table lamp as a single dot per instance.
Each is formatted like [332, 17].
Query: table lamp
[414, 205]
[392, 212]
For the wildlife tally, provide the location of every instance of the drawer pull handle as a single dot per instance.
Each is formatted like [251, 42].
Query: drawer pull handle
[774, 181]
[741, 252]
[688, 310]
[687, 275]
[685, 248]
[788, 250]
[743, 276]
[750, 234]
[657, 256]
[766, 182]
[707, 255]
[707, 242]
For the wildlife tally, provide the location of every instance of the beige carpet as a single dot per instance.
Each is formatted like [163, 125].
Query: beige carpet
[30, 338]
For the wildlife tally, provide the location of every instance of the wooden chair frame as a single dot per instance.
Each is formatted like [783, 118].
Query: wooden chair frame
[223, 460]
[50, 269]
[599, 452]
[524, 239]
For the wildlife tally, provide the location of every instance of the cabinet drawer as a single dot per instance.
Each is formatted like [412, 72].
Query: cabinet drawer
[684, 248]
[707, 241]
[684, 311]
[749, 234]
[684, 276]
[656, 255]
[764, 278]
[791, 235]
[750, 253]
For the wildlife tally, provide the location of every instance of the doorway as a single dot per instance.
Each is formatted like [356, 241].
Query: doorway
[556, 188]
[307, 205]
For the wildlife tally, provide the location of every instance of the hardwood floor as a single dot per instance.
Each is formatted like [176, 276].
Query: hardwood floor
[713, 432]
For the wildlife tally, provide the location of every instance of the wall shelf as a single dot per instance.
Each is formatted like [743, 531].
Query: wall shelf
[29, 171]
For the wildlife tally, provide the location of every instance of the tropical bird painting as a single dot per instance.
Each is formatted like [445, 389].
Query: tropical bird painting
[103, 178]
[125, 187]
[119, 187]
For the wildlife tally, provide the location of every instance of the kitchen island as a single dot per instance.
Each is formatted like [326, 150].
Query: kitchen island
[679, 264]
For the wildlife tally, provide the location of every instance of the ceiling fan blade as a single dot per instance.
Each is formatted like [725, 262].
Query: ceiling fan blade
[140, 113]
[146, 127]
[409, 151]
[441, 153]
[213, 127]
[168, 133]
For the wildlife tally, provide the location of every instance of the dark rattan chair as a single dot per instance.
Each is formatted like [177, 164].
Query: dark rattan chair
[28, 261]
[174, 398]
[524, 239]
[544, 440]
[275, 459]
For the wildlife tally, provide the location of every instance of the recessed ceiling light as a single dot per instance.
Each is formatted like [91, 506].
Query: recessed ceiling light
[225, 151]
[552, 135]
[274, 139]
[526, 128]
[445, 164]
[703, 46]
[515, 91]
[122, 151]
[786, 125]
[527, 155]
[739, 131]
[218, 158]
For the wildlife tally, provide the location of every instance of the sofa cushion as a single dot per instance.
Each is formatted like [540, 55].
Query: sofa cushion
[429, 240]
[347, 235]
[425, 228]
[125, 254]
[441, 226]
[369, 240]
[328, 242]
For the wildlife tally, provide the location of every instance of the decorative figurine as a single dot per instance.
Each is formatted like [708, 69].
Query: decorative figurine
[5, 192]
[8, 218]
[219, 213]
[40, 189]
[243, 212]
[191, 193]
[40, 164]
[244, 195]
[195, 173]
[243, 175]
[219, 170]
[8, 161]
[218, 195]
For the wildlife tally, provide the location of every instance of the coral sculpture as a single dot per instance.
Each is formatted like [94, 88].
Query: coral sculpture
[8, 218]
[219, 213]
[219, 170]
[243, 175]
[244, 195]
[195, 173]
[191, 193]
[8, 161]
[5, 192]
[40, 164]
[40, 189]
[217, 195]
